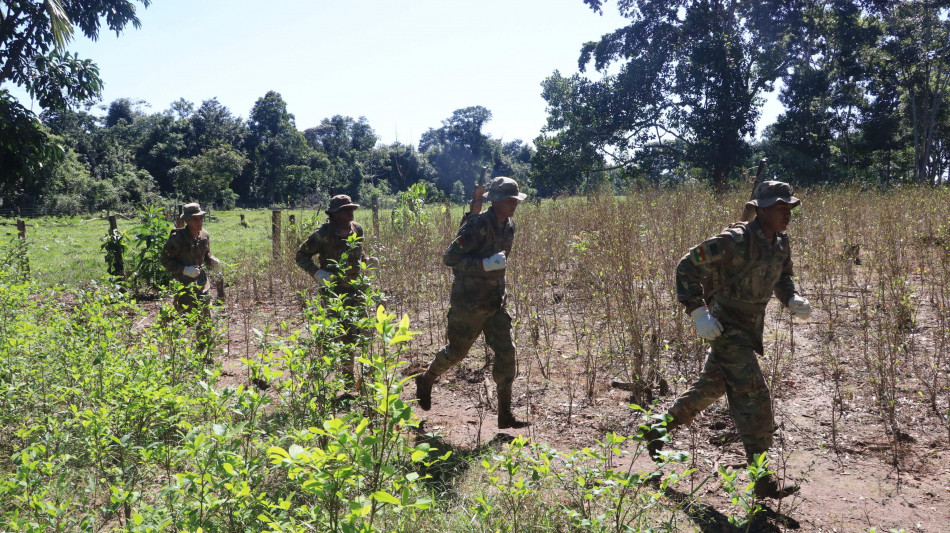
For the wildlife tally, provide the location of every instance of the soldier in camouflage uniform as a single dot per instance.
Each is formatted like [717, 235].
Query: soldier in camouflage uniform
[742, 267]
[478, 257]
[187, 252]
[328, 244]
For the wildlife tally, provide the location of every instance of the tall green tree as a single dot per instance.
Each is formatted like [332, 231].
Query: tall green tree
[207, 177]
[213, 124]
[458, 149]
[824, 93]
[279, 155]
[399, 166]
[348, 144]
[918, 45]
[33, 39]
[690, 71]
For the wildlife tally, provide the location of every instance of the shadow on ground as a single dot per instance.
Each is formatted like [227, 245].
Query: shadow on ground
[709, 520]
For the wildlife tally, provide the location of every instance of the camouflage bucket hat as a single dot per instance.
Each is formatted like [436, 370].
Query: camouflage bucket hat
[501, 188]
[341, 201]
[190, 210]
[770, 193]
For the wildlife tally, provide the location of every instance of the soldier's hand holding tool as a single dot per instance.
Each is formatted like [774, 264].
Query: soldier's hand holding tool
[706, 325]
[799, 307]
[322, 276]
[495, 262]
[191, 271]
[214, 262]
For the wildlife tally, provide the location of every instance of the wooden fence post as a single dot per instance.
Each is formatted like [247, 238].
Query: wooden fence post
[24, 257]
[115, 263]
[448, 211]
[291, 236]
[376, 215]
[275, 233]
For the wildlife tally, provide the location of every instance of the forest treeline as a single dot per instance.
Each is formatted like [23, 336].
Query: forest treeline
[207, 153]
[675, 95]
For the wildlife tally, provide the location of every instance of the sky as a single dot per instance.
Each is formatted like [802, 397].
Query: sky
[405, 66]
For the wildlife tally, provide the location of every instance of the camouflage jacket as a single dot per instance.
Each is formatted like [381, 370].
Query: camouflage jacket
[479, 237]
[741, 270]
[181, 250]
[329, 244]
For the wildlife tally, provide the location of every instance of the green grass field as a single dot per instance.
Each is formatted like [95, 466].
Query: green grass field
[67, 250]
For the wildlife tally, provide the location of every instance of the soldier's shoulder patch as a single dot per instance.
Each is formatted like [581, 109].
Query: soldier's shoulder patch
[706, 252]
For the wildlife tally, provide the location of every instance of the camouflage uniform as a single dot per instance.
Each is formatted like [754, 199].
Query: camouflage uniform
[329, 244]
[182, 250]
[477, 302]
[745, 269]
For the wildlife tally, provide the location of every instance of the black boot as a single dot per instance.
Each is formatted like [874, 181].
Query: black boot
[654, 444]
[424, 391]
[771, 487]
[506, 419]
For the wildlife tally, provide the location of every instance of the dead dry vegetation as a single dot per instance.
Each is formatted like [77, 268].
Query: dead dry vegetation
[861, 390]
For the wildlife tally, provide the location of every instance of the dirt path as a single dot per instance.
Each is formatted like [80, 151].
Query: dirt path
[850, 478]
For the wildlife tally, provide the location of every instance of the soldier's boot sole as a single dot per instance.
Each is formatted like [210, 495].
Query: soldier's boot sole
[424, 392]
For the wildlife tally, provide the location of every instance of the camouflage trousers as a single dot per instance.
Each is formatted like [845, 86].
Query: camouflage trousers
[465, 324]
[732, 368]
[354, 307]
[193, 299]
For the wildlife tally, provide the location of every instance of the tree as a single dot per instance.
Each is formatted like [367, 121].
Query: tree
[211, 125]
[24, 149]
[919, 47]
[687, 70]
[207, 177]
[348, 145]
[278, 153]
[122, 111]
[400, 166]
[33, 37]
[458, 149]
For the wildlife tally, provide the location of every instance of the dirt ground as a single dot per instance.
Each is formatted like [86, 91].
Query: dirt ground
[854, 476]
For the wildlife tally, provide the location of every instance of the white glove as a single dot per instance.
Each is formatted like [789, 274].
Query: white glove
[322, 276]
[191, 271]
[799, 307]
[373, 263]
[495, 262]
[706, 325]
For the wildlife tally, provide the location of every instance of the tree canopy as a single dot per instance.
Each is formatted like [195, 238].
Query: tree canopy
[33, 56]
[677, 93]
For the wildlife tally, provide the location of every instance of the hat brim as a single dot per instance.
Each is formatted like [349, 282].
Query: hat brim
[768, 202]
[189, 215]
[342, 207]
[490, 198]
